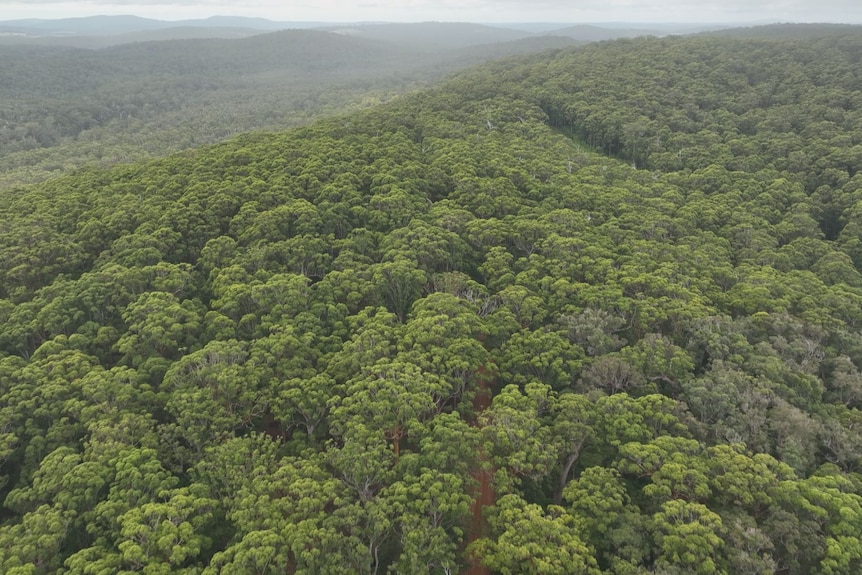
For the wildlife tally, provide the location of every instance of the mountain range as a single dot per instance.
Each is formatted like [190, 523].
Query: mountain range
[102, 31]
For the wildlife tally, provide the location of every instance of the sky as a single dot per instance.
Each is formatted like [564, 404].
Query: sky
[563, 11]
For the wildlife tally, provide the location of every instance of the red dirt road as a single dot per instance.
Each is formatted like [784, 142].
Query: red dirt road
[485, 495]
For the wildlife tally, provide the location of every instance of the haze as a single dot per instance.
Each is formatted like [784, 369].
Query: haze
[563, 11]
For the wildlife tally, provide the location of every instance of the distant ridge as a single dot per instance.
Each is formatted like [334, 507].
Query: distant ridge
[787, 30]
[590, 33]
[88, 26]
[113, 25]
[104, 31]
[107, 41]
[432, 35]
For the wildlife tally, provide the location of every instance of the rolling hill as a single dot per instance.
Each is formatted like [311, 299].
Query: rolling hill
[64, 107]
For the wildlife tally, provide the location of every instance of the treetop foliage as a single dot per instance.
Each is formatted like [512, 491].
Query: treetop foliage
[590, 311]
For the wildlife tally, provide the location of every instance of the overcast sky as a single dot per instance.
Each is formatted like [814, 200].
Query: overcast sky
[455, 10]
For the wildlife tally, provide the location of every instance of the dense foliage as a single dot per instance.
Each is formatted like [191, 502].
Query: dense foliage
[443, 332]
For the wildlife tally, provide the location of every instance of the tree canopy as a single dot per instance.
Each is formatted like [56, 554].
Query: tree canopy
[590, 311]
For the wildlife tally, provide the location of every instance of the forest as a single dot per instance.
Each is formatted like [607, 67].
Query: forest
[65, 107]
[594, 310]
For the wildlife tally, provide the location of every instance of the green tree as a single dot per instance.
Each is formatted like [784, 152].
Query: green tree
[527, 539]
[688, 536]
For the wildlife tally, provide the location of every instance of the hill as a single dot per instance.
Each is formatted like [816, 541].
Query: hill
[106, 31]
[432, 35]
[587, 33]
[106, 41]
[101, 26]
[62, 108]
[787, 31]
[589, 311]
[97, 32]
[91, 25]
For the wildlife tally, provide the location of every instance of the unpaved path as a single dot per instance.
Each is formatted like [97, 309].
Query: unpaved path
[485, 495]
